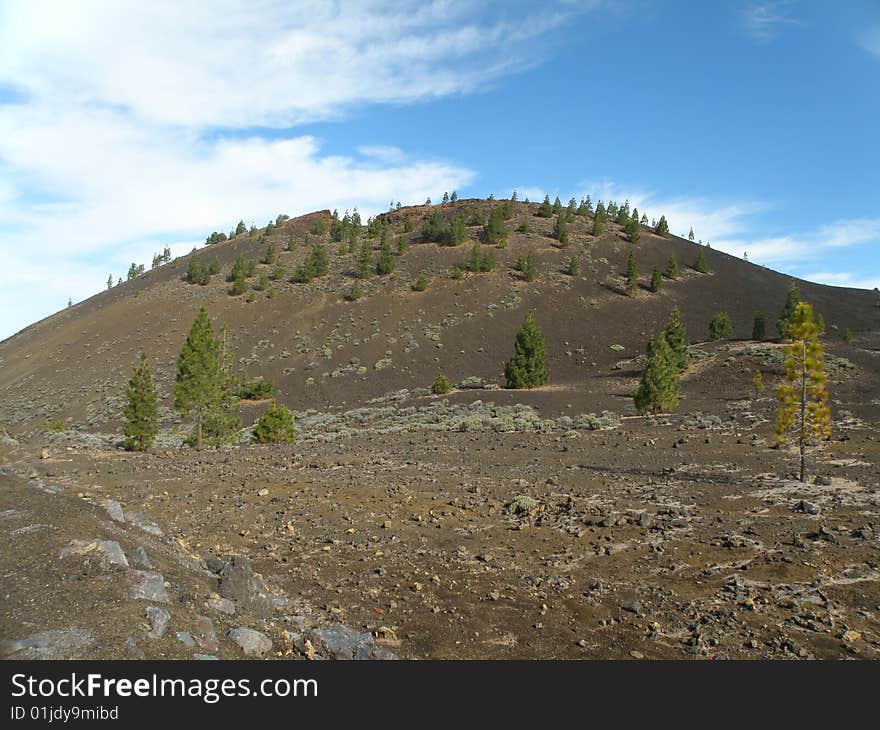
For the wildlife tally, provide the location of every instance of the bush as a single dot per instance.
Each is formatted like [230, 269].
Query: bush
[421, 283]
[720, 327]
[354, 293]
[436, 230]
[494, 232]
[442, 385]
[275, 426]
[524, 227]
[255, 389]
[572, 267]
[528, 266]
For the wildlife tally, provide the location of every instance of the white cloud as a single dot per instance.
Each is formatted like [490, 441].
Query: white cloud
[763, 21]
[144, 123]
[723, 223]
[870, 40]
[844, 278]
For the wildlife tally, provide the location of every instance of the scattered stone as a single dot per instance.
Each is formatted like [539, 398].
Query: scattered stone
[114, 509]
[186, 639]
[204, 657]
[251, 642]
[808, 507]
[140, 559]
[108, 551]
[159, 617]
[54, 644]
[149, 586]
[204, 634]
[132, 650]
[222, 605]
[342, 643]
[239, 583]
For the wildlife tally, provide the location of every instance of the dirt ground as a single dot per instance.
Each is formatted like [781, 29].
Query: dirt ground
[429, 543]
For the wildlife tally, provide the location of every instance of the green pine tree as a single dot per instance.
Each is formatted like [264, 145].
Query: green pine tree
[700, 264]
[658, 390]
[656, 280]
[759, 326]
[560, 230]
[385, 261]
[203, 390]
[140, 410]
[672, 270]
[675, 337]
[545, 210]
[792, 299]
[632, 273]
[527, 369]
[365, 261]
[720, 327]
[494, 232]
[662, 228]
[275, 426]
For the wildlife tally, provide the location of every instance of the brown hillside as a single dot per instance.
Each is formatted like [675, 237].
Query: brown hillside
[325, 352]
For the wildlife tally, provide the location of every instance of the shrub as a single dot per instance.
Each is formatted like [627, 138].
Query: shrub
[527, 368]
[421, 283]
[720, 327]
[275, 426]
[528, 266]
[442, 385]
[847, 335]
[572, 268]
[255, 389]
[656, 280]
[354, 293]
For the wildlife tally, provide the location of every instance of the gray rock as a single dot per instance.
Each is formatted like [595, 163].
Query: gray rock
[140, 559]
[239, 583]
[149, 586]
[141, 519]
[108, 551]
[204, 657]
[159, 617]
[808, 507]
[132, 650]
[251, 642]
[204, 634]
[54, 644]
[186, 639]
[114, 509]
[342, 643]
[221, 605]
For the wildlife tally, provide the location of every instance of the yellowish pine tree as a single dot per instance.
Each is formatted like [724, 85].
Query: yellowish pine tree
[803, 397]
[758, 383]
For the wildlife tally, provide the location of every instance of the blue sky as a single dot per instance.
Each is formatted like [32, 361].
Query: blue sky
[126, 126]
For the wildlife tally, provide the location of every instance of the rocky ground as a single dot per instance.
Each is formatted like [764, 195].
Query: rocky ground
[673, 538]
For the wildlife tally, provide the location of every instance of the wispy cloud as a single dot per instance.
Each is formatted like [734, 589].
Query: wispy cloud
[870, 40]
[136, 124]
[765, 20]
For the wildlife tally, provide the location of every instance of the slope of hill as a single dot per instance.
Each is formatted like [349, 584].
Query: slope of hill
[327, 353]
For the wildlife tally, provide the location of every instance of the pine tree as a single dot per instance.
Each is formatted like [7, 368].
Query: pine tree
[528, 265]
[365, 261]
[847, 335]
[658, 389]
[546, 208]
[270, 256]
[454, 197]
[275, 426]
[700, 264]
[656, 280]
[632, 273]
[494, 231]
[792, 299]
[720, 327]
[662, 228]
[527, 369]
[759, 326]
[633, 231]
[560, 230]
[401, 245]
[354, 293]
[140, 410]
[110, 281]
[203, 388]
[691, 234]
[675, 337]
[572, 268]
[385, 261]
[803, 397]
[599, 219]
[758, 383]
[672, 270]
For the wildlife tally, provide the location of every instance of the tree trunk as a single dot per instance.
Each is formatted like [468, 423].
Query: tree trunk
[804, 413]
[199, 438]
